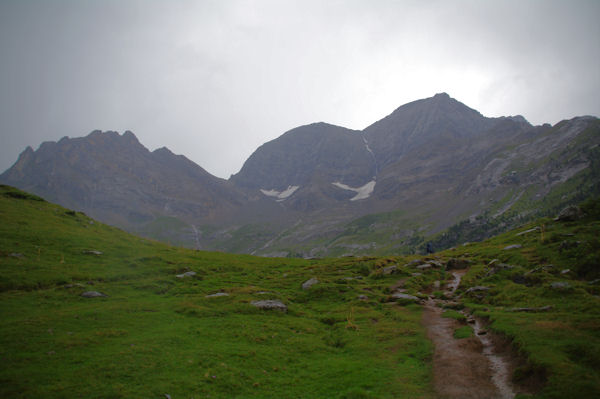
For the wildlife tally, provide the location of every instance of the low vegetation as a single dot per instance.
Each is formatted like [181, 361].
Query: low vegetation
[159, 331]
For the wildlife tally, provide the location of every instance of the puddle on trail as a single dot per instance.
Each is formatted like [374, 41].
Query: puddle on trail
[498, 363]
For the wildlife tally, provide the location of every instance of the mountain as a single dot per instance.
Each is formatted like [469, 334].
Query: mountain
[433, 170]
[116, 179]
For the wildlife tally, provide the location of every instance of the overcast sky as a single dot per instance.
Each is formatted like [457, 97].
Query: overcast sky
[213, 80]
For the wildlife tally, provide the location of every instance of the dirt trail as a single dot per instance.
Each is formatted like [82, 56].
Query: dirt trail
[464, 368]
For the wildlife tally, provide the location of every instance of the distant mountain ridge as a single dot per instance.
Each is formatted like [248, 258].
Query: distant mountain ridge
[321, 189]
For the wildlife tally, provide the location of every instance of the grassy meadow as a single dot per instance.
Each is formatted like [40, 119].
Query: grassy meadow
[156, 334]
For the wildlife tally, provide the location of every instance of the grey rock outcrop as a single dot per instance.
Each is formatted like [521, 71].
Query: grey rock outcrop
[270, 304]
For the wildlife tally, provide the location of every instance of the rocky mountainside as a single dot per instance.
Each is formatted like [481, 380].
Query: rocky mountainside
[320, 189]
[116, 179]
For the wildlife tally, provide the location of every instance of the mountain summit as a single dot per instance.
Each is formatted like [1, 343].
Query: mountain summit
[321, 189]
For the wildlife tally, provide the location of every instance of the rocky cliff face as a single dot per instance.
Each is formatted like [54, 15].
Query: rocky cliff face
[321, 189]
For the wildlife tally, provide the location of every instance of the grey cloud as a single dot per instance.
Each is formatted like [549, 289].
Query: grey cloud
[215, 79]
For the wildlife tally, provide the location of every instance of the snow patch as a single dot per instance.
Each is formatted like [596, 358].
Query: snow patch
[362, 192]
[280, 195]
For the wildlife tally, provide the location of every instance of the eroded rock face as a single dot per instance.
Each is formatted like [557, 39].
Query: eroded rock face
[270, 304]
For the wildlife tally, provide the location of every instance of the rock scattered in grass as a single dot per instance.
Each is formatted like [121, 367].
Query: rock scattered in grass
[402, 296]
[270, 305]
[93, 294]
[309, 283]
[390, 270]
[477, 288]
[73, 285]
[413, 262]
[497, 267]
[513, 246]
[92, 252]
[186, 274]
[527, 231]
[560, 285]
[16, 255]
[565, 271]
[425, 266]
[363, 297]
[216, 295]
[457, 263]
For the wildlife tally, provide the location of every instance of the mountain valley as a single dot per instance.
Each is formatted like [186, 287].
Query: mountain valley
[434, 171]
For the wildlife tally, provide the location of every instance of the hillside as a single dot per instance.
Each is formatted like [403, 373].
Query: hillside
[356, 333]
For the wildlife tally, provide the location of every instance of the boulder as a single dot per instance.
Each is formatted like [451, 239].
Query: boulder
[414, 262]
[570, 214]
[477, 288]
[527, 231]
[405, 297]
[424, 266]
[457, 263]
[513, 246]
[186, 274]
[560, 285]
[497, 267]
[92, 252]
[270, 305]
[216, 295]
[309, 283]
[390, 270]
[93, 294]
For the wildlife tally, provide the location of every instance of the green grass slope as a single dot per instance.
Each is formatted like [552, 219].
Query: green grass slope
[544, 296]
[156, 334]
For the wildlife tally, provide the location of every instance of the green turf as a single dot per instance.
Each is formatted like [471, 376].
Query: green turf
[156, 334]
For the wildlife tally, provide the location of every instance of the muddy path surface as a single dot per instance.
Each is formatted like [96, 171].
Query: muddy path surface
[469, 367]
